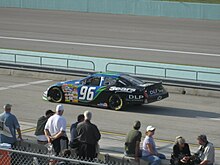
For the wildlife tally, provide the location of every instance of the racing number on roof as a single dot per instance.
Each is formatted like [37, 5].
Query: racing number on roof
[87, 93]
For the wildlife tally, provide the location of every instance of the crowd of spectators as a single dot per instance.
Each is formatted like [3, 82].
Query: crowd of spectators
[181, 154]
[84, 138]
[84, 135]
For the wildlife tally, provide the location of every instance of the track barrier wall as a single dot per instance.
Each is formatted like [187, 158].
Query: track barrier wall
[128, 7]
[160, 71]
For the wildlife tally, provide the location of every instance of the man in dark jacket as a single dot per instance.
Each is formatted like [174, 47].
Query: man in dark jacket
[88, 136]
[39, 132]
[73, 134]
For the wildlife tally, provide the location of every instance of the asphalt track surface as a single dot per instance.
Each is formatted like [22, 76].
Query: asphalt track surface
[183, 115]
[159, 39]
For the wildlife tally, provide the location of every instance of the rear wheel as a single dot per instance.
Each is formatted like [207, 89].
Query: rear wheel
[116, 102]
[56, 95]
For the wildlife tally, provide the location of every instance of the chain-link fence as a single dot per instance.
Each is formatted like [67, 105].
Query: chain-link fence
[21, 155]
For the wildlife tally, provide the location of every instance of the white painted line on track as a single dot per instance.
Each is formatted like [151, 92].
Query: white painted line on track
[110, 46]
[24, 84]
[17, 85]
[39, 82]
[215, 119]
[3, 88]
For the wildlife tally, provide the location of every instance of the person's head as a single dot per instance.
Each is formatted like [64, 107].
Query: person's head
[49, 113]
[202, 139]
[7, 107]
[59, 109]
[66, 153]
[150, 130]
[80, 118]
[180, 141]
[137, 125]
[88, 115]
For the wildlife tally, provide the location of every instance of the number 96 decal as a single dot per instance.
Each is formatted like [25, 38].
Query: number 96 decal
[87, 93]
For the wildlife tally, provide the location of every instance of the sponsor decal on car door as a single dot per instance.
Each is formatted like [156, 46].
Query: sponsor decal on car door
[70, 93]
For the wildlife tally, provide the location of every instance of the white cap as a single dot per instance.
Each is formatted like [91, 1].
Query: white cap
[7, 106]
[150, 128]
[59, 108]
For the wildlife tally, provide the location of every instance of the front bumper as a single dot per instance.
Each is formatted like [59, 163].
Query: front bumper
[44, 96]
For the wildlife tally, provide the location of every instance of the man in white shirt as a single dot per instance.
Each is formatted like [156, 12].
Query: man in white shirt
[206, 151]
[55, 130]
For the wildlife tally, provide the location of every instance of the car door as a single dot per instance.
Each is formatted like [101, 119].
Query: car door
[90, 89]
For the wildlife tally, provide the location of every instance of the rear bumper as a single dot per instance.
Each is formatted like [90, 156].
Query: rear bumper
[154, 98]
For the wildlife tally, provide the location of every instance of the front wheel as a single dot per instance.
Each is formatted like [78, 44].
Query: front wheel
[56, 95]
[116, 102]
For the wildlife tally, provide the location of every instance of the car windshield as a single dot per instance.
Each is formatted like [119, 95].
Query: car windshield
[109, 81]
[133, 80]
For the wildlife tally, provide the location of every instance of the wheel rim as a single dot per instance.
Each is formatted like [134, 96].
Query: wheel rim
[56, 95]
[115, 102]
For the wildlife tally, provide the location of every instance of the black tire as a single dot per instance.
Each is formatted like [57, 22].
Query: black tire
[116, 102]
[56, 95]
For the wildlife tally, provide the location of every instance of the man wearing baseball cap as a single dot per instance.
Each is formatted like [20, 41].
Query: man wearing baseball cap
[8, 126]
[55, 130]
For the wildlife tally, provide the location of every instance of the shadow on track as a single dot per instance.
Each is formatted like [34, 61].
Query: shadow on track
[170, 111]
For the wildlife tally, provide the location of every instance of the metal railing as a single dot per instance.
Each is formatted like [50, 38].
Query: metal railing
[38, 60]
[59, 65]
[30, 156]
[166, 73]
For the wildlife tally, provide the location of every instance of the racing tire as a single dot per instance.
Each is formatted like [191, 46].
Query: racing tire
[116, 102]
[56, 95]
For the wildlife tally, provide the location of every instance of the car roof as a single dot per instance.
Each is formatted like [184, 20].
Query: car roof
[104, 74]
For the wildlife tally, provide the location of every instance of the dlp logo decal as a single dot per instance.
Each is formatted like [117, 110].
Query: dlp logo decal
[155, 91]
[135, 97]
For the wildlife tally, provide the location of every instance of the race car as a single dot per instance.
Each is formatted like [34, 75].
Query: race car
[107, 90]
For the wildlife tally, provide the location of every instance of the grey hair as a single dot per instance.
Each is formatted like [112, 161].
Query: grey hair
[88, 115]
[203, 138]
[179, 140]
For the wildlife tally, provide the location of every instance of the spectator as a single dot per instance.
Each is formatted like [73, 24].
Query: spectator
[39, 132]
[206, 151]
[66, 153]
[8, 127]
[88, 136]
[149, 152]
[132, 142]
[55, 130]
[73, 134]
[181, 152]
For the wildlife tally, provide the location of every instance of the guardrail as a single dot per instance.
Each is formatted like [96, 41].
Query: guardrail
[47, 61]
[167, 73]
[81, 67]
